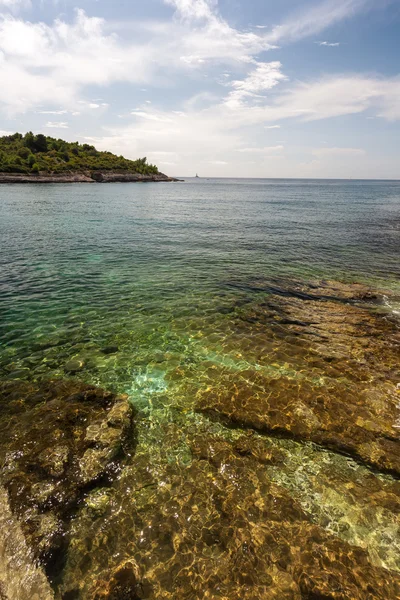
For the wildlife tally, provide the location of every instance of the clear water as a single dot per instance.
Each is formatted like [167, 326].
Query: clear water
[120, 263]
[158, 270]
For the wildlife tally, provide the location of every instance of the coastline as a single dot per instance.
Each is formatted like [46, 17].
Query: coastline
[87, 177]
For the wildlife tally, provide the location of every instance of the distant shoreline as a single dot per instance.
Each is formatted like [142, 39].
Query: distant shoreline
[79, 177]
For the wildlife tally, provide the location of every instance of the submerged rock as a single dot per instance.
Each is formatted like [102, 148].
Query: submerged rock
[219, 528]
[20, 577]
[73, 366]
[337, 384]
[206, 512]
[57, 439]
[110, 350]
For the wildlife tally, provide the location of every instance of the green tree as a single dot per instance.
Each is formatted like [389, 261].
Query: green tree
[23, 152]
[29, 140]
[41, 143]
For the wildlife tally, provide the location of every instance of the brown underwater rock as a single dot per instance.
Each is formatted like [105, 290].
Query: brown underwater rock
[20, 577]
[57, 439]
[342, 369]
[218, 529]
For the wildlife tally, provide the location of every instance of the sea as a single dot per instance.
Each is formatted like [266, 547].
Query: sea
[155, 271]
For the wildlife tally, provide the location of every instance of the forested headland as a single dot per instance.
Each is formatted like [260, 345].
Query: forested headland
[31, 154]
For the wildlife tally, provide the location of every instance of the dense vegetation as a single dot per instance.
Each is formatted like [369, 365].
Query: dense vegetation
[39, 153]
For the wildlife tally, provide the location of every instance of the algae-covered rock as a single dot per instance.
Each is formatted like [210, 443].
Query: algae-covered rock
[57, 439]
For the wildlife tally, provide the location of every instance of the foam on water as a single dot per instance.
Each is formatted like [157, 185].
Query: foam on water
[393, 305]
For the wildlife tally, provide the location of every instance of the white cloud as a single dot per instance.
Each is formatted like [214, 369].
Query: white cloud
[344, 152]
[272, 127]
[265, 150]
[142, 114]
[64, 58]
[52, 112]
[57, 125]
[194, 9]
[330, 44]
[264, 77]
[94, 105]
[335, 96]
[315, 19]
[58, 61]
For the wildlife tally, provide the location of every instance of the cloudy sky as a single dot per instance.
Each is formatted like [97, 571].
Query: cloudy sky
[247, 88]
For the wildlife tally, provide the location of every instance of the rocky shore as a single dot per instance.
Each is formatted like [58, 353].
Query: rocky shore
[86, 177]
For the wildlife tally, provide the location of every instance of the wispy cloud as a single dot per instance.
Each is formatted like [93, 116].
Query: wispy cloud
[264, 77]
[94, 105]
[150, 116]
[272, 127]
[337, 96]
[57, 125]
[345, 152]
[315, 19]
[14, 5]
[52, 112]
[330, 44]
[264, 150]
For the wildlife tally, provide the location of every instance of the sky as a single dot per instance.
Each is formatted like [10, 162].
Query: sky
[223, 88]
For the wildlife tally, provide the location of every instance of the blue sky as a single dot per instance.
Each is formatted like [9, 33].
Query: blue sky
[253, 88]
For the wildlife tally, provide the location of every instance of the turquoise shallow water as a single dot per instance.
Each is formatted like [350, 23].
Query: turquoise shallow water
[159, 273]
[100, 261]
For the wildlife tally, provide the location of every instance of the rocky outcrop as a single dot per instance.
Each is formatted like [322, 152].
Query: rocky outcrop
[113, 177]
[87, 177]
[336, 383]
[58, 440]
[64, 178]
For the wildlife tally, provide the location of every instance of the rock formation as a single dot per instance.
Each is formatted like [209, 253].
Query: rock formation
[58, 440]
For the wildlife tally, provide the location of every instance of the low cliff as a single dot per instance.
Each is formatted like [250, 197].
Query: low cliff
[84, 177]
